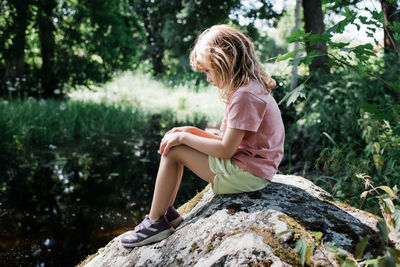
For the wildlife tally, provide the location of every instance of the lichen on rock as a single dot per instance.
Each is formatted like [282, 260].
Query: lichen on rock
[252, 229]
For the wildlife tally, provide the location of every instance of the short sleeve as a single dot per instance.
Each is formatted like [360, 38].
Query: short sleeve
[246, 111]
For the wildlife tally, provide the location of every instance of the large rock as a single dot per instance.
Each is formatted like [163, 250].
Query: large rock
[251, 230]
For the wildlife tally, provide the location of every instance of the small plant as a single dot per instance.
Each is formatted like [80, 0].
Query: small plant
[390, 224]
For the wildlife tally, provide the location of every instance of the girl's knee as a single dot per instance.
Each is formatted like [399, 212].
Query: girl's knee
[177, 152]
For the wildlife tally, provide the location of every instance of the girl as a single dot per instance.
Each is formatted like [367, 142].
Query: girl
[250, 149]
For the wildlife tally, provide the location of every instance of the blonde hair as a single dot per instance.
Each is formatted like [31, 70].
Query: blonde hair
[230, 54]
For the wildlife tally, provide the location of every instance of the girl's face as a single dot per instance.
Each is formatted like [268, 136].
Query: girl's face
[211, 78]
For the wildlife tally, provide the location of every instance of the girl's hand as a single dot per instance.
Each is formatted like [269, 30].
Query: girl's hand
[180, 129]
[170, 140]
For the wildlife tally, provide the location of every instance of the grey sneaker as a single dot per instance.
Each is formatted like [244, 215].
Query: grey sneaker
[173, 217]
[147, 232]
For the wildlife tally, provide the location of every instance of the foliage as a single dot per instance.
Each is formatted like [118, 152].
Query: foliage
[85, 43]
[389, 225]
[49, 46]
[364, 134]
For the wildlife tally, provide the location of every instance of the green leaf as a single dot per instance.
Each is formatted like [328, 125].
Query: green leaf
[316, 38]
[387, 261]
[309, 251]
[396, 220]
[339, 45]
[394, 26]
[388, 205]
[379, 16]
[296, 93]
[347, 49]
[318, 235]
[330, 138]
[284, 232]
[378, 160]
[331, 246]
[350, 263]
[395, 86]
[289, 55]
[369, 262]
[363, 196]
[387, 189]
[373, 109]
[297, 36]
[301, 247]
[360, 247]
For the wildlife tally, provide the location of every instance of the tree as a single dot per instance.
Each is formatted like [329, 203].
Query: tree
[172, 26]
[294, 77]
[391, 26]
[155, 15]
[48, 74]
[15, 54]
[314, 24]
[69, 43]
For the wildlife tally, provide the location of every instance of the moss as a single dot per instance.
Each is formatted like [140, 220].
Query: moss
[194, 247]
[215, 236]
[288, 255]
[210, 247]
[313, 239]
[299, 230]
[347, 207]
[266, 262]
[188, 206]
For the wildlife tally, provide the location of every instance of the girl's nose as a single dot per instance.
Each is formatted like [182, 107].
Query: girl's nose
[209, 79]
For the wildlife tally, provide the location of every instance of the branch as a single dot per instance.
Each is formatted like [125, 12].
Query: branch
[367, 72]
[392, 41]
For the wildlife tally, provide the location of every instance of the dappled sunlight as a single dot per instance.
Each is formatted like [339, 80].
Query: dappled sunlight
[140, 90]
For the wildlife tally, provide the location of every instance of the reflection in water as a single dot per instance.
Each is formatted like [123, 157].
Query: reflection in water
[61, 204]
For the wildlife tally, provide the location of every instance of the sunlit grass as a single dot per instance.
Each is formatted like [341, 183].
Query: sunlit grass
[140, 90]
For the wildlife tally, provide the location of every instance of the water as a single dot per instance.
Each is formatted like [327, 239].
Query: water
[60, 204]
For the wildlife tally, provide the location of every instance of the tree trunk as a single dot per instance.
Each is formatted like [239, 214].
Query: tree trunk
[15, 57]
[47, 45]
[294, 77]
[314, 23]
[153, 23]
[390, 44]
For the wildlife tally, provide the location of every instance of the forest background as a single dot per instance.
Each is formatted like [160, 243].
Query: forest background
[89, 87]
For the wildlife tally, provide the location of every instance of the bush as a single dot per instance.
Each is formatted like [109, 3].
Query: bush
[348, 124]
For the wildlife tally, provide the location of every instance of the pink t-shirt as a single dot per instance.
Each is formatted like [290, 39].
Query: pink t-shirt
[253, 109]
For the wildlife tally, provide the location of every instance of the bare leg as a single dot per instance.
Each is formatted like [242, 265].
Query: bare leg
[170, 174]
[180, 174]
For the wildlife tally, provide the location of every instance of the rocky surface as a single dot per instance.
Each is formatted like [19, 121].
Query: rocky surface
[254, 229]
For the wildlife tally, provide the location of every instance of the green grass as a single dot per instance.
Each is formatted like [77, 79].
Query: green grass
[140, 91]
[55, 122]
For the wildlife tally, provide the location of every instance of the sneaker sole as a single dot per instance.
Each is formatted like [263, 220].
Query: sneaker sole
[175, 223]
[155, 238]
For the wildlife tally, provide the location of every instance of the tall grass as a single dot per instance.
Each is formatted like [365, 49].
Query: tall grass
[43, 122]
[138, 90]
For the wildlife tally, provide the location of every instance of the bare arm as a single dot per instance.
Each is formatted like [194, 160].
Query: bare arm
[221, 148]
[195, 131]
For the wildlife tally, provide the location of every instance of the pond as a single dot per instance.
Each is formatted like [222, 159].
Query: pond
[61, 203]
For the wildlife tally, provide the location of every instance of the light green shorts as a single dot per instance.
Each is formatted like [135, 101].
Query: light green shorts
[230, 179]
